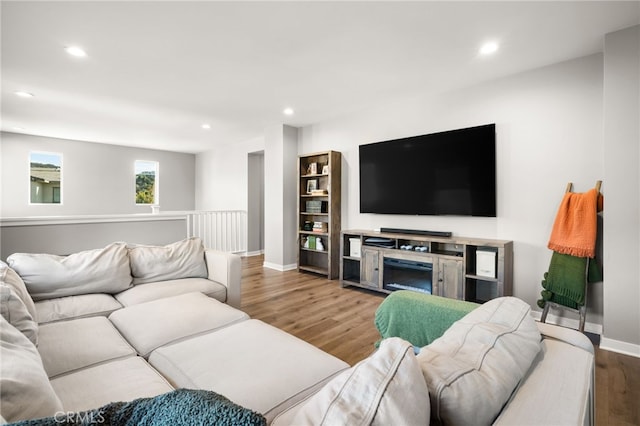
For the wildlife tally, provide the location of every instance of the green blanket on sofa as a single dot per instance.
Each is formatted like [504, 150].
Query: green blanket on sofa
[418, 318]
[177, 408]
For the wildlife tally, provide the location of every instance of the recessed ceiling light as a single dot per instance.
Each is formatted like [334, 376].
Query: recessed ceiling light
[24, 94]
[76, 51]
[206, 126]
[288, 111]
[489, 48]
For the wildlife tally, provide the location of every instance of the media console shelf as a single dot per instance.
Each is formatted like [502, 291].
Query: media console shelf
[471, 269]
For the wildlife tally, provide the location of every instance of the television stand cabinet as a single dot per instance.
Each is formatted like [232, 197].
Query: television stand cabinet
[472, 269]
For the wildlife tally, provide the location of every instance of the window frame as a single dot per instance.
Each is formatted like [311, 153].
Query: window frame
[29, 182]
[156, 181]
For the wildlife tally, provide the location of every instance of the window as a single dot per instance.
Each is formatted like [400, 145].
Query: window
[146, 182]
[45, 178]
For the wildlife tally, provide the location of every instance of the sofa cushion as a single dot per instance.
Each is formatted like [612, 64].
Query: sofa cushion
[67, 346]
[161, 289]
[251, 363]
[120, 380]
[149, 325]
[93, 271]
[182, 259]
[25, 390]
[373, 392]
[82, 306]
[13, 309]
[472, 370]
[9, 277]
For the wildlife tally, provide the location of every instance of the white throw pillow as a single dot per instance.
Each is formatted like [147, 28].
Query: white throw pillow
[385, 389]
[12, 279]
[473, 368]
[13, 309]
[182, 259]
[25, 390]
[48, 276]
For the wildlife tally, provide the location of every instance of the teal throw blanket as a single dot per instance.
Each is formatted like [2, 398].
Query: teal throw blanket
[181, 407]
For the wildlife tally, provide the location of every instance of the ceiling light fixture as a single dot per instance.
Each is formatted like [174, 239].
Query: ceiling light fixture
[288, 111]
[24, 94]
[206, 126]
[489, 48]
[76, 51]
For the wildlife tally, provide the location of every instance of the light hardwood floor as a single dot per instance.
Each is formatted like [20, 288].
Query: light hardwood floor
[340, 321]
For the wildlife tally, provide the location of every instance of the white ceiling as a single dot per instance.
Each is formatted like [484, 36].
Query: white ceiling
[156, 71]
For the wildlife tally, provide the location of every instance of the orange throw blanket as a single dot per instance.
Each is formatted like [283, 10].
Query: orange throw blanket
[574, 231]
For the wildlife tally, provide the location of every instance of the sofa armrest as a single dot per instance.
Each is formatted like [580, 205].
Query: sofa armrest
[226, 269]
[567, 335]
[418, 318]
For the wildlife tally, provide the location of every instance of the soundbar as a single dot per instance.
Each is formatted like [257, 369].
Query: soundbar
[444, 234]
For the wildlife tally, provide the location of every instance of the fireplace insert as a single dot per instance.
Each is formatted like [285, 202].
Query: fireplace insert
[403, 274]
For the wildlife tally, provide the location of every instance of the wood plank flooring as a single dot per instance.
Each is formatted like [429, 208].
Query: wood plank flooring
[340, 321]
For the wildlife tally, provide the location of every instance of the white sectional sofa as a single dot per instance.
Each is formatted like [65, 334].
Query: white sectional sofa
[122, 323]
[98, 337]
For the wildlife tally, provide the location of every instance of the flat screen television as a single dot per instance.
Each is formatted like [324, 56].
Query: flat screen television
[445, 173]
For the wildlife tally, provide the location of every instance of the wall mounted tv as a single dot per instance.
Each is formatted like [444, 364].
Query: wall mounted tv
[446, 173]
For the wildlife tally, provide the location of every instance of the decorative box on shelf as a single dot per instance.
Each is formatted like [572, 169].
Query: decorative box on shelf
[320, 227]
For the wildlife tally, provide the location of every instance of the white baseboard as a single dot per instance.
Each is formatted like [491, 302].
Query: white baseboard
[281, 268]
[253, 253]
[620, 347]
[568, 322]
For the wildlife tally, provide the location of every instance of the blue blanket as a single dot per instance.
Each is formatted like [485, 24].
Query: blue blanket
[181, 407]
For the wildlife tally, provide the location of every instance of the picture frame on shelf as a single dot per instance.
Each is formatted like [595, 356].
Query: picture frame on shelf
[325, 169]
[313, 169]
[312, 185]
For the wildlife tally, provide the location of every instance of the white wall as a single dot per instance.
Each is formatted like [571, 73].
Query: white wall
[549, 125]
[69, 237]
[97, 178]
[549, 132]
[280, 233]
[622, 204]
[222, 176]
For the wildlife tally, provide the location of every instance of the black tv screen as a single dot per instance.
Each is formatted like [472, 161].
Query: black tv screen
[446, 173]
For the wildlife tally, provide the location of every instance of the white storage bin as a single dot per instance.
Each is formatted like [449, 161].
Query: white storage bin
[486, 263]
[354, 247]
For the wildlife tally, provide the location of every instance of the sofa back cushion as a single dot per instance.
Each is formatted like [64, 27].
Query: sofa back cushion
[472, 370]
[13, 309]
[386, 388]
[25, 390]
[48, 276]
[16, 306]
[182, 259]
[9, 277]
